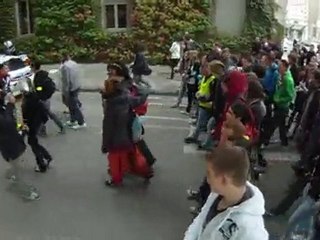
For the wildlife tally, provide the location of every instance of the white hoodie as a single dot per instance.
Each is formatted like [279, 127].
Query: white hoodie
[175, 50]
[241, 222]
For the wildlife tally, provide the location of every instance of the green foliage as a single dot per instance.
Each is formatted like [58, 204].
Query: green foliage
[7, 19]
[66, 26]
[260, 20]
[72, 26]
[159, 23]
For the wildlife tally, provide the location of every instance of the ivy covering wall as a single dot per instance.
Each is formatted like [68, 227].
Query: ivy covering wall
[72, 26]
[7, 18]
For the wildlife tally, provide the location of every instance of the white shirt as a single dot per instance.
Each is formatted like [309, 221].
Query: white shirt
[175, 50]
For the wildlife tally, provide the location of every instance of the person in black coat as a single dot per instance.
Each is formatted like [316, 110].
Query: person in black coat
[12, 146]
[34, 115]
[140, 66]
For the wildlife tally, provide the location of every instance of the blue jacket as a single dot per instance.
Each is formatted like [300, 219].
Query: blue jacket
[270, 79]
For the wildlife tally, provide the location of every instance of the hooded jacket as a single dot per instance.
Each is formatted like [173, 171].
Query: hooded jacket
[285, 91]
[270, 79]
[241, 222]
[237, 85]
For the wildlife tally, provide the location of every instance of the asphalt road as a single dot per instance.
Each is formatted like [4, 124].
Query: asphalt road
[75, 204]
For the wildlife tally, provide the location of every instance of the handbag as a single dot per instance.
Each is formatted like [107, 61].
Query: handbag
[137, 129]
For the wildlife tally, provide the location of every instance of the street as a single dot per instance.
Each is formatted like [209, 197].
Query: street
[76, 205]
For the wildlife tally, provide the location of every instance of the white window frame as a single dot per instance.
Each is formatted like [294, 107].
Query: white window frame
[18, 17]
[115, 4]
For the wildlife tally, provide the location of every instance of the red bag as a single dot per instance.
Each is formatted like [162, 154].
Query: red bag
[139, 164]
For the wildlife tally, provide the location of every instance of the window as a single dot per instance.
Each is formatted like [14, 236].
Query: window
[116, 14]
[24, 17]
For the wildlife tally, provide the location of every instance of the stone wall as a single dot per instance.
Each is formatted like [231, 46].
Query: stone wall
[8, 28]
[230, 16]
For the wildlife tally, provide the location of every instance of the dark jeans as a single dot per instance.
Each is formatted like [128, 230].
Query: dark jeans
[74, 108]
[192, 90]
[173, 64]
[51, 115]
[38, 150]
[277, 121]
[204, 192]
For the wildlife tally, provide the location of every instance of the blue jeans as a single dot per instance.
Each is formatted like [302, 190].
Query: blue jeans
[74, 108]
[302, 220]
[203, 117]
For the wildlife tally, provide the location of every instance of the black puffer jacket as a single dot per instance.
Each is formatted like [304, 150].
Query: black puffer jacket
[12, 145]
[33, 110]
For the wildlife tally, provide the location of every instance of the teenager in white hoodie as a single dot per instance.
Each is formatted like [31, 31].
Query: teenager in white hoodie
[234, 209]
[176, 54]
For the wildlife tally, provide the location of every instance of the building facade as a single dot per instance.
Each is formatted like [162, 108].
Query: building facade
[115, 15]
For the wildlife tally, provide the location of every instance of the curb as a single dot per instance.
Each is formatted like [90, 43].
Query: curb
[152, 92]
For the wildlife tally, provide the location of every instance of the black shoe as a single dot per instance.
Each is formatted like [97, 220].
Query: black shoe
[40, 169]
[189, 140]
[299, 168]
[62, 130]
[110, 183]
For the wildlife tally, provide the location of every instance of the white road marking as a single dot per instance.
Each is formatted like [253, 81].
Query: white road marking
[151, 126]
[166, 118]
[165, 104]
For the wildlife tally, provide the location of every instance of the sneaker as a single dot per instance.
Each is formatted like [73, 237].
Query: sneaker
[192, 194]
[175, 106]
[189, 140]
[40, 169]
[33, 196]
[77, 126]
[194, 210]
[62, 130]
[110, 183]
[70, 124]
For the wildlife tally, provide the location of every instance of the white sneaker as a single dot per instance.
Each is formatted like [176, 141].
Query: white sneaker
[77, 126]
[33, 196]
[70, 124]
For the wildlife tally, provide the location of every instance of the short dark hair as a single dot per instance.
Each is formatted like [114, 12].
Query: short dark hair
[36, 65]
[231, 160]
[241, 110]
[285, 63]
[1, 65]
[293, 57]
[255, 90]
[259, 70]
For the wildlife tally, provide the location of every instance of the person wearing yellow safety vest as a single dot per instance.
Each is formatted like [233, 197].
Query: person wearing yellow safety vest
[211, 71]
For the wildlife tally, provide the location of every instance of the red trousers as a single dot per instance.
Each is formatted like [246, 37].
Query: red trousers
[122, 162]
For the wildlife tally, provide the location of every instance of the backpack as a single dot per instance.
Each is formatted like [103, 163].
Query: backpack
[46, 89]
[251, 128]
[142, 109]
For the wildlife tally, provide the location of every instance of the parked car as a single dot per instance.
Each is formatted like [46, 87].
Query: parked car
[19, 69]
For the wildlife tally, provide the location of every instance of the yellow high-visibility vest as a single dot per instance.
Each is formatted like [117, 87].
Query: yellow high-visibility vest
[204, 90]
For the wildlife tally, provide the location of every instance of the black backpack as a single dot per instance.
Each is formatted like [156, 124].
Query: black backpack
[46, 88]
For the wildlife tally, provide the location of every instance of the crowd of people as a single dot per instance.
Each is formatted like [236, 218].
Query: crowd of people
[237, 102]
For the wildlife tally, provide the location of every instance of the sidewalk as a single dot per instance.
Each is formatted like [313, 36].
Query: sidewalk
[93, 75]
